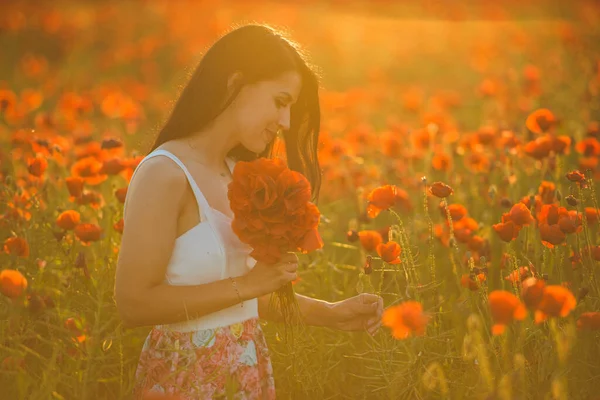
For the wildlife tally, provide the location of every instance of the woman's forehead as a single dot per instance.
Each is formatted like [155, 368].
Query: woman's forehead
[290, 82]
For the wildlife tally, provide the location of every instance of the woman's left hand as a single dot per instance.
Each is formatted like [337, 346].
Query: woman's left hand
[362, 312]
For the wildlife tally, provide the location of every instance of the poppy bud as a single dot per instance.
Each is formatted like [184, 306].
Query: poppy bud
[80, 261]
[575, 176]
[59, 235]
[352, 236]
[43, 143]
[452, 242]
[506, 203]
[368, 267]
[56, 149]
[572, 200]
[593, 129]
[583, 292]
[492, 191]
[111, 143]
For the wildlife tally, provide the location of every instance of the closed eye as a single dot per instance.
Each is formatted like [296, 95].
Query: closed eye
[279, 104]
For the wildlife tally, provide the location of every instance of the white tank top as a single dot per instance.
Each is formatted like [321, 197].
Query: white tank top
[208, 252]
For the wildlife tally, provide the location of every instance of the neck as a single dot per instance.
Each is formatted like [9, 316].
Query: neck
[211, 146]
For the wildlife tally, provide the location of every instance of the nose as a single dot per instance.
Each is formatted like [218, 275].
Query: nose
[284, 119]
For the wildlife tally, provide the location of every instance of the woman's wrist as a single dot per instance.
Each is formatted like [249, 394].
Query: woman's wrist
[245, 288]
[234, 283]
[317, 312]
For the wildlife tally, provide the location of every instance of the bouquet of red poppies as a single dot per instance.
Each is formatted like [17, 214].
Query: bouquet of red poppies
[273, 214]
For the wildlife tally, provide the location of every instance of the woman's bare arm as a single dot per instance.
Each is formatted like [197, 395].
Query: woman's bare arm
[150, 229]
[315, 312]
[361, 312]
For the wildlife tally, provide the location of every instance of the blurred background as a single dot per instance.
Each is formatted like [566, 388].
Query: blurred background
[408, 89]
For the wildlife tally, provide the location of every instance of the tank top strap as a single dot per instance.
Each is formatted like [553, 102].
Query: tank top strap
[203, 205]
[201, 201]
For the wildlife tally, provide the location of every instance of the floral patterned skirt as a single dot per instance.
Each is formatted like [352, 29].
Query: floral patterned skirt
[230, 362]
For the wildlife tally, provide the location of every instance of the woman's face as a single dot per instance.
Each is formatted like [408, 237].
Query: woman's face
[262, 108]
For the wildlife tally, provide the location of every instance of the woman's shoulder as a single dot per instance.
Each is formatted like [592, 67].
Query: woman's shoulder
[159, 170]
[157, 176]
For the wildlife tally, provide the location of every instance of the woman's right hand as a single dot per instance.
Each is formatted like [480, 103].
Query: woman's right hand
[266, 278]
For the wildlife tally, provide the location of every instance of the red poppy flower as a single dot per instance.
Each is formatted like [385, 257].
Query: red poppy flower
[457, 211]
[16, 246]
[68, 220]
[507, 231]
[520, 214]
[12, 283]
[575, 176]
[532, 291]
[75, 185]
[37, 166]
[88, 232]
[540, 120]
[89, 168]
[589, 147]
[112, 166]
[551, 235]
[121, 194]
[119, 226]
[517, 275]
[406, 319]
[468, 283]
[505, 308]
[440, 189]
[539, 148]
[557, 301]
[589, 320]
[370, 239]
[381, 198]
[389, 252]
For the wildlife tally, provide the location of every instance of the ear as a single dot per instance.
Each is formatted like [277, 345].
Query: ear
[234, 80]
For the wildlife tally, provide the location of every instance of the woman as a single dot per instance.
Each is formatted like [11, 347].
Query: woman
[181, 268]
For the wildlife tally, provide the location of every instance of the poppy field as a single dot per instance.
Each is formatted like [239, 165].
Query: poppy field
[459, 149]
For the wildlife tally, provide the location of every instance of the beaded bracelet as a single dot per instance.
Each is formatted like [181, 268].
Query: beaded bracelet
[234, 283]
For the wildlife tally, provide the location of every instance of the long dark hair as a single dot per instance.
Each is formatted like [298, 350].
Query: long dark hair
[259, 52]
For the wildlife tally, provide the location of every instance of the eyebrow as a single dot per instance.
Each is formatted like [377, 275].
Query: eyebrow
[289, 96]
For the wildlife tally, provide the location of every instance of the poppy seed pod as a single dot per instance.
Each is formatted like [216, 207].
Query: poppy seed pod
[59, 235]
[583, 292]
[572, 200]
[352, 236]
[368, 267]
[506, 203]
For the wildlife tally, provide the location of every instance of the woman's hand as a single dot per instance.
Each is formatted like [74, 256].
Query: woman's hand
[267, 278]
[362, 312]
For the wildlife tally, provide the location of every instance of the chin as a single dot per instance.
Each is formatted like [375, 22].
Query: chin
[256, 148]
